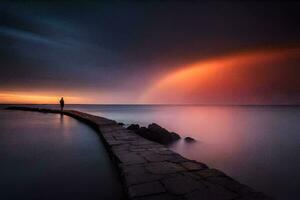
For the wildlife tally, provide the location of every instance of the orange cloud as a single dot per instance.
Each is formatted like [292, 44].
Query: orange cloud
[250, 77]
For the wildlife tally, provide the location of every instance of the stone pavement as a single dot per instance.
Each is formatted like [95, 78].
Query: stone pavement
[150, 171]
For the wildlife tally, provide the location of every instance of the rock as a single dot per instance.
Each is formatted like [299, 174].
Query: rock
[164, 167]
[156, 128]
[175, 136]
[145, 189]
[156, 133]
[133, 127]
[121, 123]
[193, 166]
[162, 134]
[130, 157]
[179, 184]
[189, 139]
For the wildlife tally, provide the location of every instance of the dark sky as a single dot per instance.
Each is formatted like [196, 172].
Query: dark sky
[112, 52]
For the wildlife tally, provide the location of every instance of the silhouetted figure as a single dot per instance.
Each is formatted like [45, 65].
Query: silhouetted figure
[62, 104]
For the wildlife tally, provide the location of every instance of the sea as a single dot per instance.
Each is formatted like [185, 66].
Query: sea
[48, 157]
[256, 145]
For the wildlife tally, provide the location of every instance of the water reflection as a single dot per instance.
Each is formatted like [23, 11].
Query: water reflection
[257, 145]
[64, 126]
[250, 144]
[254, 144]
[49, 156]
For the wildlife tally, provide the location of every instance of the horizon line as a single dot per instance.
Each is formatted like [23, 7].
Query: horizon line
[154, 104]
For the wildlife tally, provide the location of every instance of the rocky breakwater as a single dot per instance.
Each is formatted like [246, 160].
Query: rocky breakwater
[150, 171]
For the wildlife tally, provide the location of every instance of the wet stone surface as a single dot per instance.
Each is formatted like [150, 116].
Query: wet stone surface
[150, 171]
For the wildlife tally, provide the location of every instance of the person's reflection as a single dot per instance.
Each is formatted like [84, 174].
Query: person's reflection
[61, 119]
[63, 126]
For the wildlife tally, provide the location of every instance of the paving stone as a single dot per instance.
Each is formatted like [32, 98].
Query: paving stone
[262, 197]
[111, 140]
[193, 174]
[138, 178]
[124, 137]
[138, 149]
[179, 184]
[164, 168]
[108, 129]
[108, 136]
[115, 142]
[161, 149]
[210, 173]
[226, 182]
[136, 174]
[117, 153]
[193, 165]
[150, 188]
[159, 197]
[132, 168]
[143, 142]
[130, 158]
[165, 151]
[176, 158]
[209, 195]
[120, 149]
[154, 157]
[153, 146]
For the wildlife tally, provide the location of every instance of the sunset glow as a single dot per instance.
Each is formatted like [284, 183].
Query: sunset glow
[152, 52]
[27, 98]
[244, 78]
[219, 80]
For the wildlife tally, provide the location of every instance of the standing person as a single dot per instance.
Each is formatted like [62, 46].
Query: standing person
[62, 104]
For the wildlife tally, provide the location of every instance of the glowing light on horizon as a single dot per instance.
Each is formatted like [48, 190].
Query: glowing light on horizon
[29, 98]
[213, 80]
[209, 77]
[71, 97]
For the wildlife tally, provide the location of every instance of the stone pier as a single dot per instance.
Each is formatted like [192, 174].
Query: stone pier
[150, 171]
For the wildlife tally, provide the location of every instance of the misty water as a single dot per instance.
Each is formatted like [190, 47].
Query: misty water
[257, 145]
[49, 156]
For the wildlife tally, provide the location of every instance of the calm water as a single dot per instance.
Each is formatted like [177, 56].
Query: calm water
[46, 156]
[257, 145]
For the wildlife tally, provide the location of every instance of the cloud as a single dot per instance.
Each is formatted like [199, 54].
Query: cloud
[29, 37]
[121, 47]
[257, 77]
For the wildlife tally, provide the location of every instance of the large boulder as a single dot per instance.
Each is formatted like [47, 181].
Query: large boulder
[133, 127]
[162, 134]
[121, 123]
[155, 133]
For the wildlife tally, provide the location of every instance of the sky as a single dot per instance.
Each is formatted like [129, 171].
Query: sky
[162, 52]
